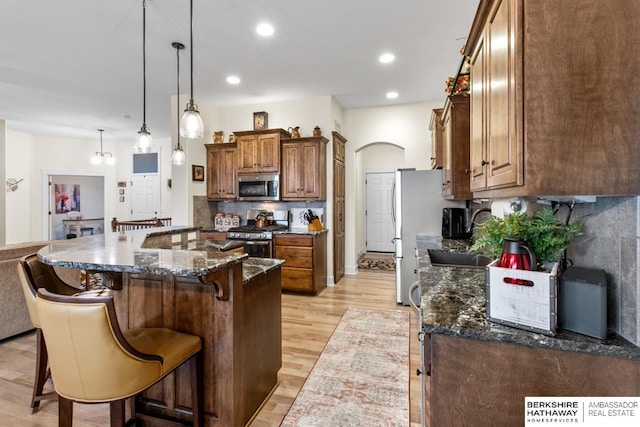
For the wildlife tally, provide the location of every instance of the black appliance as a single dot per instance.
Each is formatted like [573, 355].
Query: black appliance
[582, 301]
[454, 224]
[258, 241]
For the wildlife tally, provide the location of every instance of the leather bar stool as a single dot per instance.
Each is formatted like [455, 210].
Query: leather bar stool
[93, 361]
[33, 275]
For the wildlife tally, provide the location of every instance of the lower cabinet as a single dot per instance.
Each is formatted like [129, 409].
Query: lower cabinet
[305, 267]
[213, 235]
[471, 382]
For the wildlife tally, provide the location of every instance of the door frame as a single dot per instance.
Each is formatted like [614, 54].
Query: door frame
[45, 175]
[364, 199]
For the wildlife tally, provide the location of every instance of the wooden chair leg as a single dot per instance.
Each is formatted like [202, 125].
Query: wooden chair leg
[65, 412]
[42, 373]
[117, 413]
[197, 389]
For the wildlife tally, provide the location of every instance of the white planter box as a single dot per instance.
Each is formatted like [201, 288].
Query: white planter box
[522, 298]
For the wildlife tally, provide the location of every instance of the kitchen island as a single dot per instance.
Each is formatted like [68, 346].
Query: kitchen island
[166, 277]
[478, 372]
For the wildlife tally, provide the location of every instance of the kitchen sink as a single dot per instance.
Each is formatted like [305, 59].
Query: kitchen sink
[458, 259]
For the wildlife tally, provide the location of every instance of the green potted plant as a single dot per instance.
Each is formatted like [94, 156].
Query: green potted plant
[546, 235]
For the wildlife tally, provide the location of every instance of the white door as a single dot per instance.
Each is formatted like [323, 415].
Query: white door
[145, 196]
[380, 229]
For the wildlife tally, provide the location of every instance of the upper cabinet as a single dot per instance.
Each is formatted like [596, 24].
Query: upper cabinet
[259, 151]
[455, 148]
[436, 138]
[221, 171]
[552, 106]
[304, 163]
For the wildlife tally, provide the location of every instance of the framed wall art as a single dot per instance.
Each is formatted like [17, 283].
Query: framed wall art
[260, 120]
[197, 172]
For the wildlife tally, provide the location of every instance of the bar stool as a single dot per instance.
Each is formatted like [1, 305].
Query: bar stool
[33, 275]
[94, 361]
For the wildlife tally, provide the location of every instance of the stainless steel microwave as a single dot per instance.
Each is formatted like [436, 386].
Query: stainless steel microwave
[259, 187]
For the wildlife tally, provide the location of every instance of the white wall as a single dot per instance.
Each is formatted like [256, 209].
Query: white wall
[3, 178]
[376, 138]
[32, 157]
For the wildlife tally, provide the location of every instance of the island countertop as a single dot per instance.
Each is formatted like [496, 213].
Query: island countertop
[129, 252]
[453, 303]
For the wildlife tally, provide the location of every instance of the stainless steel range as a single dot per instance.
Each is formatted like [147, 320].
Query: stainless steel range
[258, 241]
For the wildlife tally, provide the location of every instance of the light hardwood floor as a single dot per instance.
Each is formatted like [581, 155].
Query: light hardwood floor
[307, 324]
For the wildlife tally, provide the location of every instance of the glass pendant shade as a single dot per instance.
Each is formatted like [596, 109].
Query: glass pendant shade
[102, 156]
[178, 157]
[144, 142]
[191, 125]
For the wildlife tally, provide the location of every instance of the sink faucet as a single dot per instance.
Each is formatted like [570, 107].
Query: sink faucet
[473, 218]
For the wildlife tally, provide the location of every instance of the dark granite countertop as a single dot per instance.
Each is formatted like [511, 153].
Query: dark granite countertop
[127, 252]
[254, 267]
[453, 303]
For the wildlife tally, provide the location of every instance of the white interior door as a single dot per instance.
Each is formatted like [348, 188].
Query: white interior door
[145, 196]
[379, 227]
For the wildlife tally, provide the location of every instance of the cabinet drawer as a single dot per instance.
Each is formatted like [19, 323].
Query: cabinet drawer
[295, 256]
[294, 241]
[213, 235]
[297, 279]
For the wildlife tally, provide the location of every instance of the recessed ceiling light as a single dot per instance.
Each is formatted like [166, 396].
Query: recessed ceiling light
[233, 80]
[265, 29]
[392, 95]
[386, 58]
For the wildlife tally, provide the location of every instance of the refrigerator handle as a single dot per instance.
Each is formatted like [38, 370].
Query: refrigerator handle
[393, 203]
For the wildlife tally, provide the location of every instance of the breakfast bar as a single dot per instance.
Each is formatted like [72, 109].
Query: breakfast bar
[166, 277]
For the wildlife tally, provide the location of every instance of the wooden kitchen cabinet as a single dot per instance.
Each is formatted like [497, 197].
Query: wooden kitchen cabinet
[339, 198]
[435, 126]
[455, 148]
[484, 383]
[551, 108]
[305, 267]
[221, 171]
[259, 151]
[304, 164]
[213, 235]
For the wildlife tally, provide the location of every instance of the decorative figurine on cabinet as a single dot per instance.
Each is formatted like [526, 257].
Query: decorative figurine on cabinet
[317, 131]
[218, 137]
[295, 132]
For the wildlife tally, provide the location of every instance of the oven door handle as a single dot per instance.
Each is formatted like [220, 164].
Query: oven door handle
[257, 242]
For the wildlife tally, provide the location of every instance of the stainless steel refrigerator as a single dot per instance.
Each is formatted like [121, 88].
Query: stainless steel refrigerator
[417, 210]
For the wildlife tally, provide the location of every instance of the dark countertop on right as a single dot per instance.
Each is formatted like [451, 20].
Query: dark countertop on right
[453, 303]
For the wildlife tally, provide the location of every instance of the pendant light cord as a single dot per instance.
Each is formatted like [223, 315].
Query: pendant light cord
[144, 64]
[191, 47]
[178, 91]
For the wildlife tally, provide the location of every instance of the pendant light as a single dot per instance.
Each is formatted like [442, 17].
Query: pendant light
[191, 125]
[178, 157]
[101, 155]
[144, 142]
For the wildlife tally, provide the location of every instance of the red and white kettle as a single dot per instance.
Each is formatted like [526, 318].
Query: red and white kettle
[517, 254]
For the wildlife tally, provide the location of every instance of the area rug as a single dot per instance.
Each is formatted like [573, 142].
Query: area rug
[376, 261]
[361, 377]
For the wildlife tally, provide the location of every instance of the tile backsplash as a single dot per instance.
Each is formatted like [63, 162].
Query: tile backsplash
[609, 241]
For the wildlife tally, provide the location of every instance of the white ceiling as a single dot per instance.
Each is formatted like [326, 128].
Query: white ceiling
[69, 67]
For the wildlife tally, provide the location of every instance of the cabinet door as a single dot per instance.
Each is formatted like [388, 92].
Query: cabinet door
[228, 176]
[502, 144]
[290, 181]
[268, 153]
[478, 115]
[447, 135]
[221, 172]
[247, 162]
[310, 173]
[435, 126]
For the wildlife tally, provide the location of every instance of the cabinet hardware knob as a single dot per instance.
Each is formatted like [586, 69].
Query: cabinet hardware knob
[418, 372]
[484, 162]
[467, 171]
